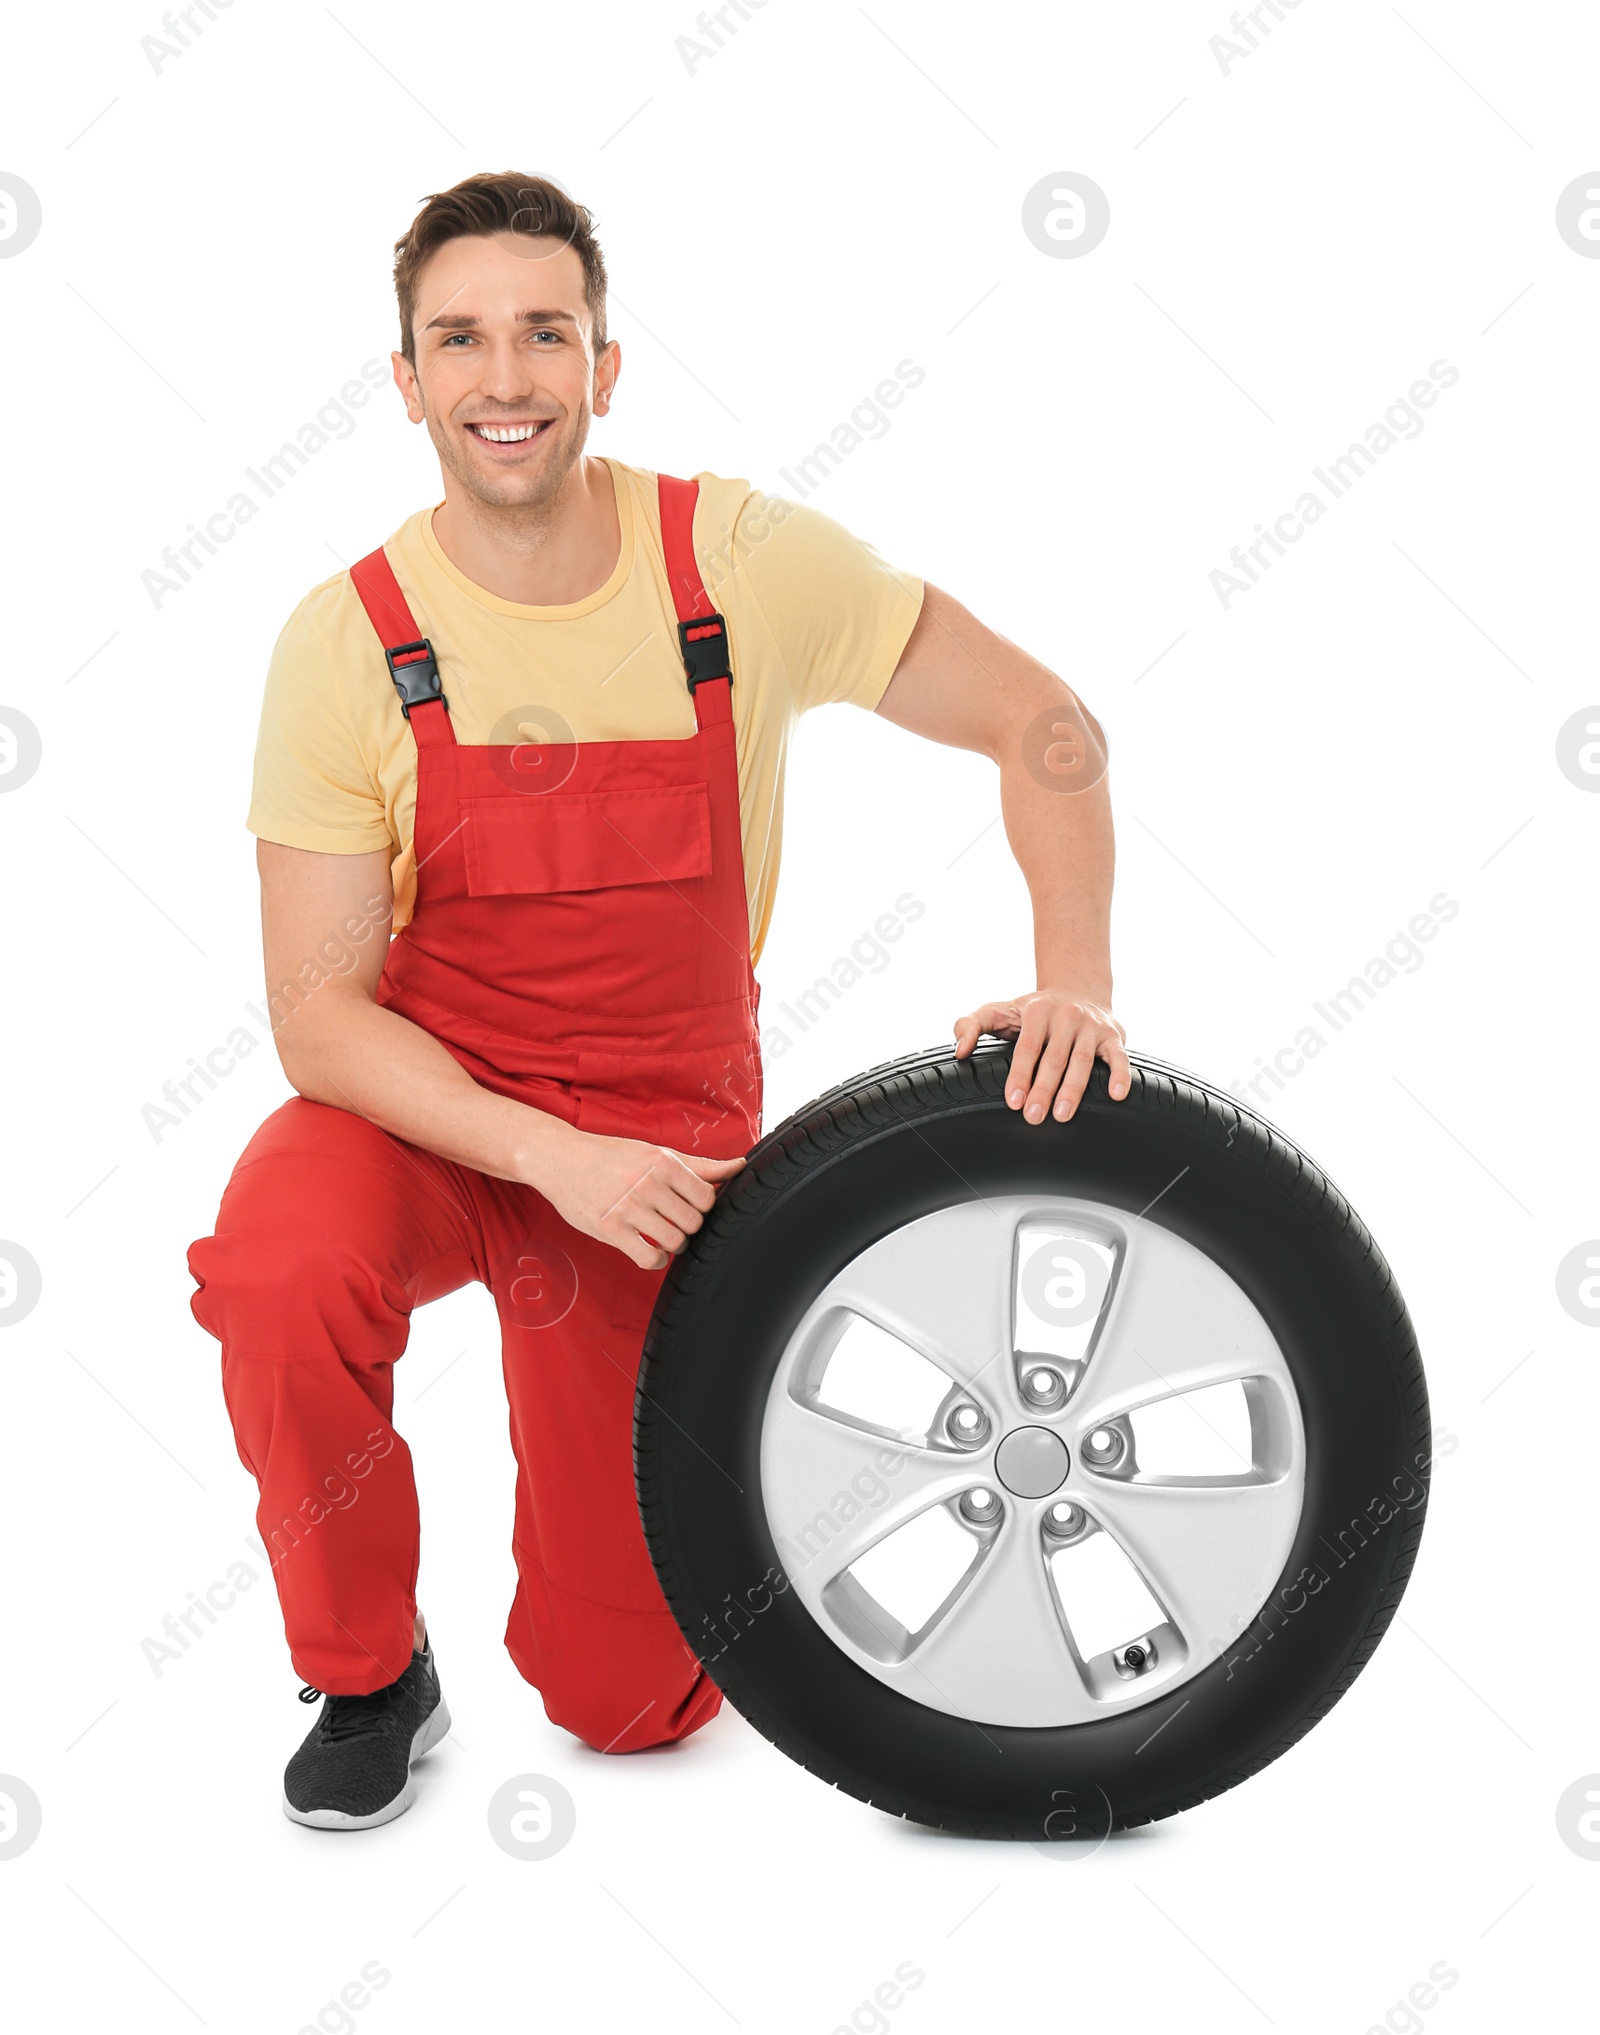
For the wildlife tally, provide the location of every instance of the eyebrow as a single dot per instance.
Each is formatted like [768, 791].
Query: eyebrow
[463, 322]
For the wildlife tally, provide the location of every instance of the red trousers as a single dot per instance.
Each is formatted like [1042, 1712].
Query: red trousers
[331, 1231]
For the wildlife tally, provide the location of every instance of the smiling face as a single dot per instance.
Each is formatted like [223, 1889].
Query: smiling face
[506, 375]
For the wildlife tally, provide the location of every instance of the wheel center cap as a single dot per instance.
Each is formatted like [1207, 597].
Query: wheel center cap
[1032, 1462]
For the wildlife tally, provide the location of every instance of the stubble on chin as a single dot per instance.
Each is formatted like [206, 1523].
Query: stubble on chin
[532, 491]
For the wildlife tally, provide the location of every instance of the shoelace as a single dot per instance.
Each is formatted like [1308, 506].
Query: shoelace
[351, 1716]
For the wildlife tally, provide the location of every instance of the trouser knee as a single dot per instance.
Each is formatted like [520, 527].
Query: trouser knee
[279, 1292]
[625, 1720]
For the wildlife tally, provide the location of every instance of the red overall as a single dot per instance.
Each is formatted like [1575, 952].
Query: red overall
[580, 942]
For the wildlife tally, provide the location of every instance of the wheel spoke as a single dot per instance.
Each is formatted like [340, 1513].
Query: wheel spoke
[1001, 1650]
[1209, 1551]
[944, 1286]
[833, 1488]
[1175, 1322]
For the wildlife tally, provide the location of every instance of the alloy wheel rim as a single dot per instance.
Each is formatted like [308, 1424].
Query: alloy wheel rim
[1032, 1467]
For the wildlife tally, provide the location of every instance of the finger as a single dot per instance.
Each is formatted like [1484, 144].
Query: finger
[657, 1228]
[684, 1202]
[971, 1028]
[656, 1202]
[621, 1200]
[683, 1192]
[1047, 1077]
[1111, 1050]
[684, 1217]
[709, 1169]
[1000, 1019]
[698, 1185]
[1079, 1068]
[1030, 1037]
[648, 1256]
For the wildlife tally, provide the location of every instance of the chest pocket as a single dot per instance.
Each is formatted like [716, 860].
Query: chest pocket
[600, 840]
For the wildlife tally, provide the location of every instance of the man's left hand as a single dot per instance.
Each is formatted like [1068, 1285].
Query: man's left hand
[1059, 1037]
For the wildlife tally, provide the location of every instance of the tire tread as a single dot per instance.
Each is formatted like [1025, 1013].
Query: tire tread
[885, 1098]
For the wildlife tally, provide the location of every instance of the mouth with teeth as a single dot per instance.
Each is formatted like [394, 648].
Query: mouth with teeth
[511, 435]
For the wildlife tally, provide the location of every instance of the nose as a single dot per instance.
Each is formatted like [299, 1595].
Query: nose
[507, 374]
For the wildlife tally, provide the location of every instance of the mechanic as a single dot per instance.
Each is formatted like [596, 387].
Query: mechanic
[526, 726]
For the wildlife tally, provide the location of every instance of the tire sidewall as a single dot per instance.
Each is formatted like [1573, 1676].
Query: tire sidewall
[1228, 1187]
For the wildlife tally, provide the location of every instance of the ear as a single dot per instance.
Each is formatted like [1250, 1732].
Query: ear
[606, 370]
[405, 380]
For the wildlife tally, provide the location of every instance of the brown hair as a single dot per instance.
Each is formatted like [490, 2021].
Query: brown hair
[508, 203]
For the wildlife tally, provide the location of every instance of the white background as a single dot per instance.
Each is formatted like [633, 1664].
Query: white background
[1292, 243]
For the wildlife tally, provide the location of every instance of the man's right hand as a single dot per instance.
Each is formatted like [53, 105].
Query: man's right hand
[647, 1200]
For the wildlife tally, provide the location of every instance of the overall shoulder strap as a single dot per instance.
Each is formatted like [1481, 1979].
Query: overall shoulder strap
[409, 655]
[702, 633]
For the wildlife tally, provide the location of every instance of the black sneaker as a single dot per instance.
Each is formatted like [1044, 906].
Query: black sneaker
[354, 1769]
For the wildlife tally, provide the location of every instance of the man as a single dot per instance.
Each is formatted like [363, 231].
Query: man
[543, 731]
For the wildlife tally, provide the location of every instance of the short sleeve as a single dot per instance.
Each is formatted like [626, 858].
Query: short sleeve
[312, 786]
[838, 612]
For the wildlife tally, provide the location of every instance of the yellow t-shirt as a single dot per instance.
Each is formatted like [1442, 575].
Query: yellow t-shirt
[813, 613]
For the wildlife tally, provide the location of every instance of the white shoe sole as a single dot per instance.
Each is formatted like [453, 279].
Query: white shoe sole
[429, 1733]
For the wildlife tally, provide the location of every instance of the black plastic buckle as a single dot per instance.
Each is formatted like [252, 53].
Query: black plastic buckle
[415, 675]
[705, 648]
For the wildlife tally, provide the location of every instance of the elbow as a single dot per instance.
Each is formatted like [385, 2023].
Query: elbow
[1062, 746]
[1100, 745]
[318, 1017]
[299, 1065]
[301, 1037]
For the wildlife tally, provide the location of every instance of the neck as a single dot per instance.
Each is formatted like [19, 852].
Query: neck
[542, 554]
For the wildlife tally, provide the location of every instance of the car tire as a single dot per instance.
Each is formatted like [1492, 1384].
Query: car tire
[1186, 1169]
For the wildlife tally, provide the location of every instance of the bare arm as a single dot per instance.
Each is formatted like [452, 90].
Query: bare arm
[325, 931]
[960, 683]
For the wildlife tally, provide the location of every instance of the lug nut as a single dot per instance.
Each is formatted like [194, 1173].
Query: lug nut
[1044, 1387]
[981, 1506]
[1102, 1446]
[1064, 1521]
[968, 1424]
